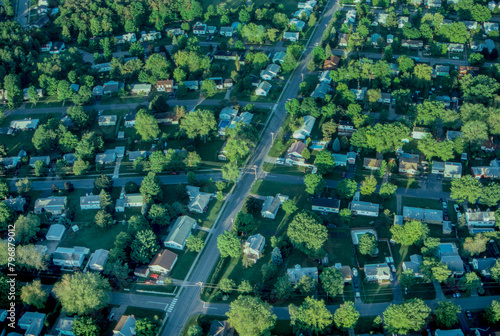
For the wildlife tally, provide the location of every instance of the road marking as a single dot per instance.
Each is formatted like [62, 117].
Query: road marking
[172, 305]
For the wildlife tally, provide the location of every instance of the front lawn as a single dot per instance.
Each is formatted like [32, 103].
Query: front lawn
[424, 203]
[93, 237]
[185, 259]
[154, 314]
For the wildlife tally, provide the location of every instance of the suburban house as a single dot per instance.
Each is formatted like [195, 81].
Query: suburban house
[98, 259]
[296, 273]
[192, 85]
[331, 63]
[448, 254]
[57, 48]
[46, 47]
[279, 57]
[70, 256]
[270, 72]
[198, 201]
[343, 39]
[169, 118]
[180, 232]
[130, 119]
[372, 163]
[340, 159]
[56, 232]
[359, 94]
[70, 158]
[228, 113]
[263, 89]
[101, 67]
[112, 87]
[378, 272]
[490, 26]
[441, 71]
[486, 172]
[64, 326]
[291, 36]
[364, 208]
[305, 129]
[294, 154]
[32, 322]
[296, 24]
[244, 117]
[16, 204]
[220, 328]
[254, 246]
[420, 132]
[412, 44]
[480, 221]
[109, 156]
[430, 216]
[141, 271]
[165, 85]
[163, 262]
[483, 265]
[271, 205]
[226, 55]
[414, 265]
[151, 36]
[90, 202]
[452, 170]
[321, 90]
[309, 5]
[408, 164]
[222, 127]
[107, 120]
[125, 326]
[325, 77]
[302, 14]
[140, 89]
[345, 271]
[26, 95]
[34, 159]
[130, 38]
[53, 204]
[199, 28]
[329, 205]
[345, 128]
[26, 124]
[10, 162]
[226, 31]
[452, 135]
[128, 201]
[134, 155]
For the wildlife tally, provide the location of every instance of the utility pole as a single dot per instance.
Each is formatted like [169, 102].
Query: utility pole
[254, 167]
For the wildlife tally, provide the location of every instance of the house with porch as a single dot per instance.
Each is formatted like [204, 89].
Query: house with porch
[180, 232]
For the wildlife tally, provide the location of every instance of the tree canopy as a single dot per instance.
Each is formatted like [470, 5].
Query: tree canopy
[250, 316]
[306, 233]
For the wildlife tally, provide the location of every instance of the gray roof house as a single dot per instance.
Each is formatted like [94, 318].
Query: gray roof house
[125, 326]
[228, 113]
[64, 326]
[254, 246]
[378, 272]
[448, 254]
[414, 265]
[298, 272]
[25, 124]
[329, 205]
[70, 158]
[305, 130]
[294, 154]
[32, 322]
[321, 90]
[198, 201]
[180, 232]
[263, 89]
[271, 205]
[279, 57]
[480, 221]
[134, 155]
[270, 72]
[70, 256]
[44, 159]
[56, 232]
[16, 204]
[128, 201]
[10, 162]
[53, 204]
[483, 265]
[98, 259]
[430, 216]
[140, 89]
[107, 120]
[452, 170]
[90, 202]
[109, 156]
[220, 328]
[364, 208]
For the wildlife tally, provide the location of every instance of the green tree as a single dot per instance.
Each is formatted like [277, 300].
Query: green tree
[332, 281]
[64, 90]
[226, 285]
[383, 138]
[23, 186]
[345, 215]
[367, 244]
[250, 316]
[194, 243]
[160, 214]
[284, 287]
[198, 123]
[103, 182]
[314, 183]
[144, 246]
[33, 95]
[85, 326]
[245, 287]
[435, 270]
[117, 272]
[88, 146]
[33, 294]
[208, 88]
[136, 49]
[146, 327]
[428, 112]
[151, 187]
[368, 185]
[430, 147]
[447, 314]
[346, 316]
[466, 188]
[406, 317]
[40, 168]
[146, 125]
[407, 278]
[470, 282]
[12, 90]
[346, 188]
[495, 271]
[312, 316]
[229, 245]
[26, 228]
[324, 162]
[6, 216]
[306, 233]
[476, 59]
[80, 167]
[82, 293]
[103, 219]
[492, 313]
[387, 190]
[230, 171]
[410, 233]
[475, 245]
[289, 207]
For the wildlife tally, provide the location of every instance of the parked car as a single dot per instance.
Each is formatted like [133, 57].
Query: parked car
[393, 268]
[149, 282]
[155, 276]
[445, 205]
[455, 57]
[468, 314]
[457, 295]
[457, 209]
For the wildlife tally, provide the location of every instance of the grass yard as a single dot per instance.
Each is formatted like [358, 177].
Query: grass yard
[365, 325]
[424, 203]
[93, 237]
[207, 219]
[407, 182]
[446, 185]
[47, 102]
[154, 314]
[269, 188]
[282, 169]
[208, 151]
[185, 260]
[123, 100]
[372, 292]
[379, 259]
[424, 291]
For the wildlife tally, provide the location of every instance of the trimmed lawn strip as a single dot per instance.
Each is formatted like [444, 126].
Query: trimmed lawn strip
[424, 203]
[372, 292]
[154, 314]
[154, 288]
[282, 169]
[185, 260]
[93, 237]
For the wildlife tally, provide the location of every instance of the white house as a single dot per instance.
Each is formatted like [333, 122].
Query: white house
[305, 129]
[53, 204]
[414, 265]
[329, 205]
[98, 260]
[378, 272]
[270, 72]
[271, 205]
[291, 36]
[125, 326]
[263, 89]
[34, 159]
[364, 208]
[294, 154]
[56, 232]
[70, 256]
[254, 246]
[198, 201]
[480, 221]
[90, 202]
[228, 113]
[163, 262]
[296, 273]
[180, 232]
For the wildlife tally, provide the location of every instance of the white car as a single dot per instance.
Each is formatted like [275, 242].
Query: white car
[457, 209]
[455, 57]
